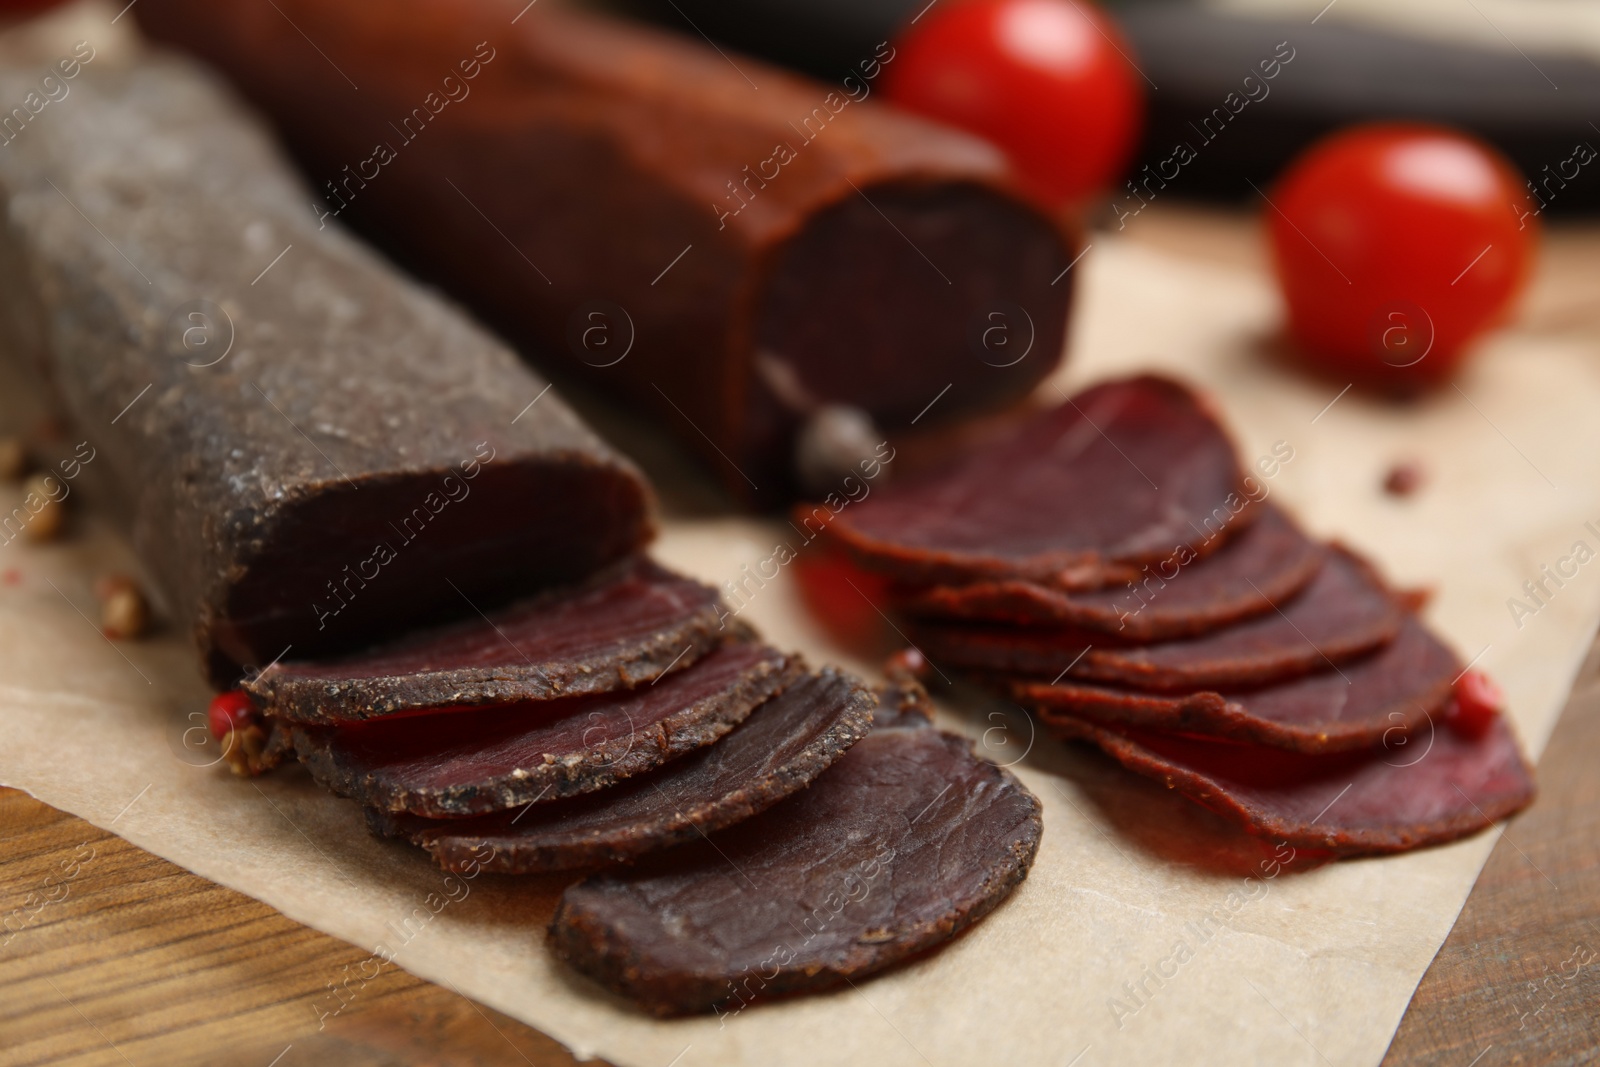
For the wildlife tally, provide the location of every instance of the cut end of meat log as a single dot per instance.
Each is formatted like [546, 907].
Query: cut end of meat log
[964, 285]
[906, 841]
[624, 627]
[334, 566]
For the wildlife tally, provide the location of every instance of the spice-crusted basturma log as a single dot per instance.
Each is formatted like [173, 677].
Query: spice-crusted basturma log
[631, 203]
[313, 451]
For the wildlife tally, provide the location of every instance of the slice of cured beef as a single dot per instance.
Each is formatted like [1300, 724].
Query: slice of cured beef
[781, 748]
[476, 760]
[625, 627]
[903, 843]
[1438, 787]
[1345, 611]
[1179, 596]
[1353, 706]
[1123, 474]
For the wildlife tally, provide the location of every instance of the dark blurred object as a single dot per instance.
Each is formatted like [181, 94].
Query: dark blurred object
[1342, 75]
[16, 9]
[822, 37]
[633, 208]
[1195, 57]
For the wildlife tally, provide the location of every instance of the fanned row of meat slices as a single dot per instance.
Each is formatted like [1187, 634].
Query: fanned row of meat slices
[748, 826]
[1111, 568]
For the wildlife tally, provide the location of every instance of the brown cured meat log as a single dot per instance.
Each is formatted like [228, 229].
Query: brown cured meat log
[1345, 611]
[627, 626]
[781, 748]
[632, 204]
[1265, 564]
[310, 449]
[477, 760]
[902, 844]
[1437, 787]
[1356, 705]
[1131, 472]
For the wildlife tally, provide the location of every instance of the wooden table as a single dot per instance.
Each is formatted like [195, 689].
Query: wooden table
[138, 961]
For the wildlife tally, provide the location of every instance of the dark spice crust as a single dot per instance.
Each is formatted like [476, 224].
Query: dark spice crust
[594, 767]
[605, 953]
[333, 699]
[525, 848]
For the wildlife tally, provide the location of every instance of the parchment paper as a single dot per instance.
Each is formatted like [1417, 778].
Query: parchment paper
[1083, 964]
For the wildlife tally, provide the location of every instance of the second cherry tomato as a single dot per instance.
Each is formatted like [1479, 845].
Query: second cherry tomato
[1048, 81]
[1396, 245]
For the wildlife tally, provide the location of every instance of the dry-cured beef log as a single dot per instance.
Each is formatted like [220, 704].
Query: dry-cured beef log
[1266, 564]
[1344, 612]
[1438, 786]
[781, 748]
[1352, 706]
[726, 256]
[309, 448]
[903, 843]
[476, 760]
[624, 627]
[1131, 472]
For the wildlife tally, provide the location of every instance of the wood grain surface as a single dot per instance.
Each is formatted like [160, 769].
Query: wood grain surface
[109, 955]
[1518, 980]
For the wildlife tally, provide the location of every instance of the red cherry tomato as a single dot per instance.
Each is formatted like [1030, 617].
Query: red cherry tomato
[1047, 81]
[1478, 701]
[229, 711]
[1396, 244]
